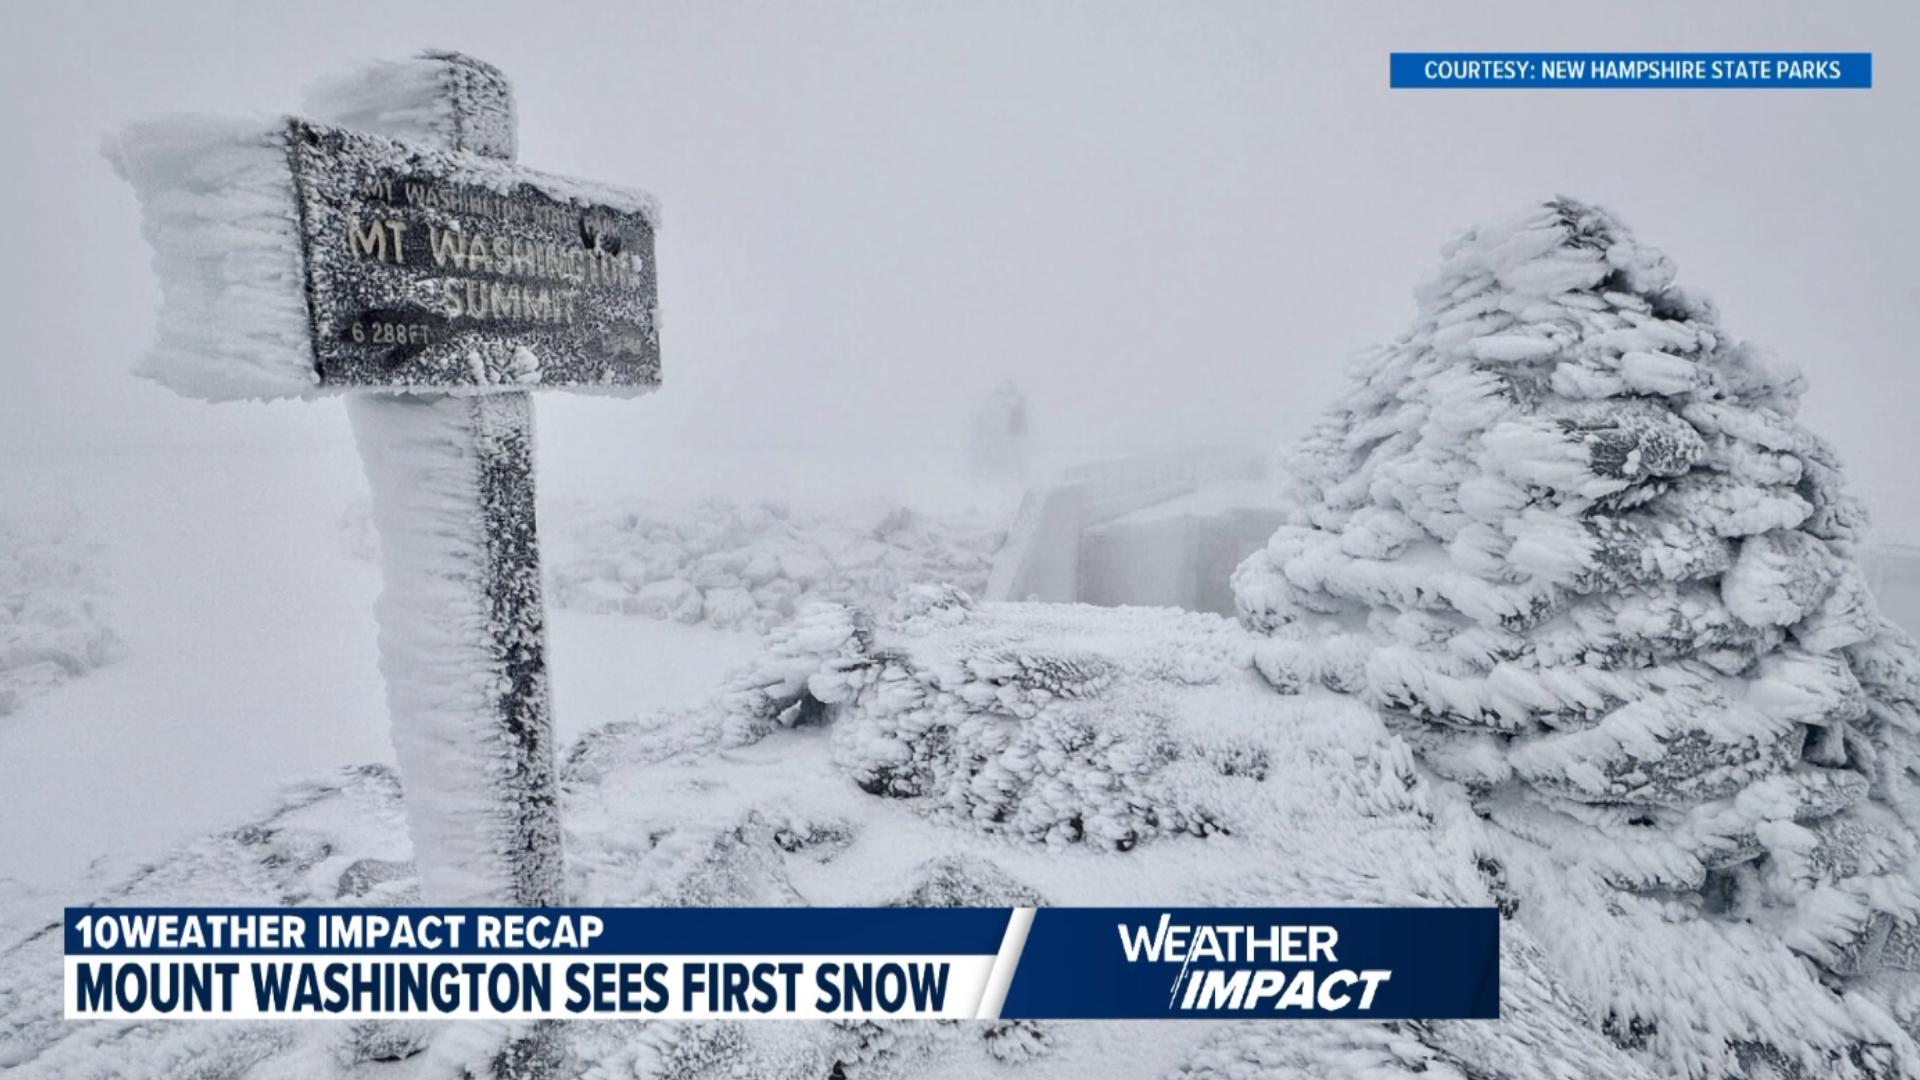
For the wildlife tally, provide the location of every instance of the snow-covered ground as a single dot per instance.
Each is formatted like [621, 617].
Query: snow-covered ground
[246, 656]
[243, 658]
[1247, 798]
[991, 754]
[209, 616]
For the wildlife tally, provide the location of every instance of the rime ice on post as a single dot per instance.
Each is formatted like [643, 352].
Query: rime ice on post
[402, 258]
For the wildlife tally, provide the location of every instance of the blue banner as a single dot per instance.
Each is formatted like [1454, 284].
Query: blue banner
[476, 931]
[1622, 70]
[746, 963]
[1194, 963]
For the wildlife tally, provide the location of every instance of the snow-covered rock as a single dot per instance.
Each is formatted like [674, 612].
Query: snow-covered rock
[53, 624]
[1567, 538]
[730, 564]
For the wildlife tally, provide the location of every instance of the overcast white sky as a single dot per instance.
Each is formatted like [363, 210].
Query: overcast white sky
[1170, 222]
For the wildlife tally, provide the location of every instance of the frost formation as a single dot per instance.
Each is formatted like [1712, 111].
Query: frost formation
[218, 210]
[1568, 539]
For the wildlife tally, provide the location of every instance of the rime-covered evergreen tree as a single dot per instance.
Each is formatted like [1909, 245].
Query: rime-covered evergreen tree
[1568, 537]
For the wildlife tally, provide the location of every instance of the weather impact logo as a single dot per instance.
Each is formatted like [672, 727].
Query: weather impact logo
[1250, 968]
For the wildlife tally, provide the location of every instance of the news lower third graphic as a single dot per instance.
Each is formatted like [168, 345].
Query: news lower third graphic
[783, 963]
[1628, 71]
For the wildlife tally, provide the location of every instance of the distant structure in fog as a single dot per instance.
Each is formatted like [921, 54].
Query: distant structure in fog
[1893, 573]
[1162, 530]
[999, 444]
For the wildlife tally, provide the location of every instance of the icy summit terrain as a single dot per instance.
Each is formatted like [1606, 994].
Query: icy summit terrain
[1568, 619]
[1135, 757]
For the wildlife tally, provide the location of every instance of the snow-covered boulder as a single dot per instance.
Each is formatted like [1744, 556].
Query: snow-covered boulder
[753, 565]
[1568, 539]
[53, 625]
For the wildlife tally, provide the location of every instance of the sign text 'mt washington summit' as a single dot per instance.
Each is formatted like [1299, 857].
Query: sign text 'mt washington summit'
[554, 271]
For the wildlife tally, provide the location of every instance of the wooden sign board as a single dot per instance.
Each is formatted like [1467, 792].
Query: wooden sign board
[436, 270]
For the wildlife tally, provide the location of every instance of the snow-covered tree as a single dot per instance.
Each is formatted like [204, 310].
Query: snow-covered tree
[1569, 539]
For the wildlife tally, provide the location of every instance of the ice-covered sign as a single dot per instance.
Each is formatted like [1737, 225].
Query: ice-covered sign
[393, 250]
[428, 268]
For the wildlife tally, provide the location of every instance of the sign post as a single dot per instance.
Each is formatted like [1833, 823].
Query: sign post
[391, 250]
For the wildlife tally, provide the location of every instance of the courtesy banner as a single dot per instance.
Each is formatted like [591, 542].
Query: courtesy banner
[1630, 70]
[783, 963]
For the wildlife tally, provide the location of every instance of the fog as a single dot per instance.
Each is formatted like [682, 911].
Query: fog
[1170, 224]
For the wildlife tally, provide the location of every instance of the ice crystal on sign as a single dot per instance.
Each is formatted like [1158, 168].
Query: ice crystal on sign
[1569, 539]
